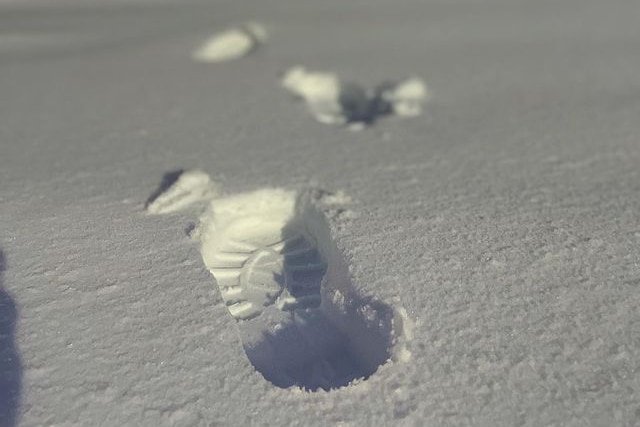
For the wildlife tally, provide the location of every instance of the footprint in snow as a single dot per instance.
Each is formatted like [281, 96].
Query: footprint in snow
[285, 282]
[331, 101]
[231, 44]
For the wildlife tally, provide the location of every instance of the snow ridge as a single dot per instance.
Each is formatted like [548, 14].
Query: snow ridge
[180, 190]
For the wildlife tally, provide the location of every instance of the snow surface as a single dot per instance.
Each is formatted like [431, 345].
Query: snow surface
[505, 219]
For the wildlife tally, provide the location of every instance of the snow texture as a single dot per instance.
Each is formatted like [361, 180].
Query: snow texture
[505, 219]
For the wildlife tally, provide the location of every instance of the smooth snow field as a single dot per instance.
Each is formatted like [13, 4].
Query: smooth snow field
[311, 213]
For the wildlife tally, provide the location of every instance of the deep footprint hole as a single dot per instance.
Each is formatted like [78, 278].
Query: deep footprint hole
[332, 336]
[360, 106]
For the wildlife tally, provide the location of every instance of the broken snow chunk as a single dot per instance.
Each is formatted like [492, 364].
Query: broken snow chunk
[311, 85]
[231, 44]
[407, 97]
[402, 334]
[189, 187]
[320, 90]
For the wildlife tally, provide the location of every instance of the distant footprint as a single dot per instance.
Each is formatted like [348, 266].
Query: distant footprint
[331, 101]
[231, 44]
[283, 279]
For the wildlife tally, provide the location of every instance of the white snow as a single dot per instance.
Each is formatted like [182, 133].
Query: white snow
[331, 101]
[320, 90]
[504, 219]
[407, 97]
[231, 44]
[190, 187]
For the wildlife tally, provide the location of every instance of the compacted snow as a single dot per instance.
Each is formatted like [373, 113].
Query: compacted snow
[182, 243]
